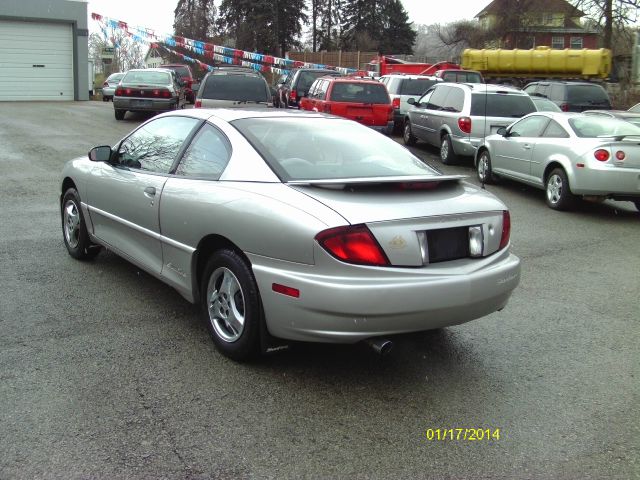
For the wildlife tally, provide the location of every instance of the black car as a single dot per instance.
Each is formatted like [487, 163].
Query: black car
[297, 85]
[571, 96]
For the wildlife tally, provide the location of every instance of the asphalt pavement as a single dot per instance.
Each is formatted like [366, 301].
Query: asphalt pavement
[105, 372]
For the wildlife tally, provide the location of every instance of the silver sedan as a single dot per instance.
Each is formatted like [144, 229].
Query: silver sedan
[569, 155]
[291, 225]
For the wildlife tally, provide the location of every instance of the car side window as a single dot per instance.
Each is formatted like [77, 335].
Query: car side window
[207, 155]
[556, 92]
[529, 127]
[154, 146]
[454, 101]
[424, 100]
[437, 99]
[312, 90]
[555, 130]
[322, 89]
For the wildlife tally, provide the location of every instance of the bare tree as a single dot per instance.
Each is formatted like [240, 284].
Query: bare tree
[612, 16]
[128, 53]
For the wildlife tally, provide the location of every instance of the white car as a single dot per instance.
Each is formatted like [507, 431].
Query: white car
[110, 84]
[403, 87]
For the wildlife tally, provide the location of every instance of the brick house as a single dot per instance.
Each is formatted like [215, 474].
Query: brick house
[533, 23]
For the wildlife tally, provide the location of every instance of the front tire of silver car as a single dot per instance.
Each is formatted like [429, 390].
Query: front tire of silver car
[447, 155]
[74, 230]
[231, 305]
[557, 191]
[483, 168]
[407, 135]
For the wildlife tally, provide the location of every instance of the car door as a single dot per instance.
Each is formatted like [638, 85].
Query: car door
[124, 194]
[435, 114]
[554, 140]
[512, 153]
[418, 116]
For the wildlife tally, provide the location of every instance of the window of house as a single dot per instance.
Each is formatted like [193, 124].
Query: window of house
[557, 42]
[576, 42]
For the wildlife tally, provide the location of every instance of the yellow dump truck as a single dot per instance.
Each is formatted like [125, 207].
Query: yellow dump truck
[520, 66]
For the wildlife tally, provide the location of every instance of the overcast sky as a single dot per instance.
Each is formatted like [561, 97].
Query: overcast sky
[158, 14]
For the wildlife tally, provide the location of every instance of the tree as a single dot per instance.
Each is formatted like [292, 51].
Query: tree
[127, 52]
[330, 22]
[195, 19]
[612, 16]
[397, 34]
[261, 25]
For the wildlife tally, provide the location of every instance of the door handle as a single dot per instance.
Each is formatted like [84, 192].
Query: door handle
[526, 146]
[150, 192]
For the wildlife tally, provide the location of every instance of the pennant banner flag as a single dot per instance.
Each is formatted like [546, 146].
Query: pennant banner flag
[218, 53]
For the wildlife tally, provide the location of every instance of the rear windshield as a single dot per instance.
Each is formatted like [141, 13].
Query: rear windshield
[328, 148]
[181, 71]
[596, 126]
[462, 77]
[115, 77]
[586, 94]
[359, 92]
[240, 88]
[148, 77]
[306, 79]
[501, 105]
[416, 86]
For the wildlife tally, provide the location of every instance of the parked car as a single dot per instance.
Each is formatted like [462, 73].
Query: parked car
[297, 85]
[460, 76]
[363, 100]
[621, 114]
[186, 76]
[148, 90]
[233, 88]
[110, 84]
[544, 104]
[291, 225]
[571, 96]
[403, 87]
[456, 117]
[566, 154]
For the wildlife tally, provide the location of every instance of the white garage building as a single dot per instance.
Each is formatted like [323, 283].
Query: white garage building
[43, 50]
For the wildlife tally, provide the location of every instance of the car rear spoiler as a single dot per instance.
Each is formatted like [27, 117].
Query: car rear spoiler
[404, 179]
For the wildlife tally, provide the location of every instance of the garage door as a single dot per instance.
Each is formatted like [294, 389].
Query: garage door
[36, 61]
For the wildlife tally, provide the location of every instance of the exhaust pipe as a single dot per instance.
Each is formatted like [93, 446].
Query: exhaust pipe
[381, 346]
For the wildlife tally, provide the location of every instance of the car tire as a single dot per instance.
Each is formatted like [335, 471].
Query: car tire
[105, 99]
[231, 305]
[557, 191]
[74, 230]
[447, 155]
[407, 134]
[484, 171]
[120, 114]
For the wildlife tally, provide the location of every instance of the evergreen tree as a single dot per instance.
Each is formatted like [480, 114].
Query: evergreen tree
[330, 23]
[263, 26]
[398, 35]
[194, 19]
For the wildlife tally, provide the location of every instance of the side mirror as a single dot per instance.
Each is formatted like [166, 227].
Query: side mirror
[502, 131]
[411, 101]
[100, 154]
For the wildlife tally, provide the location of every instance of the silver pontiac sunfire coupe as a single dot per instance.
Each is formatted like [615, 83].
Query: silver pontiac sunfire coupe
[291, 225]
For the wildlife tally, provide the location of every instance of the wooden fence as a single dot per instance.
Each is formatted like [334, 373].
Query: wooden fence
[336, 59]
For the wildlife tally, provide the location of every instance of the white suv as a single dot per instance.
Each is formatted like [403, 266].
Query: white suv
[403, 87]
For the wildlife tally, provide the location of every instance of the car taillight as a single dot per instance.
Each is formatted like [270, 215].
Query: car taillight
[564, 107]
[464, 124]
[327, 108]
[506, 229]
[293, 96]
[198, 104]
[620, 155]
[396, 103]
[601, 155]
[105, 84]
[119, 92]
[353, 244]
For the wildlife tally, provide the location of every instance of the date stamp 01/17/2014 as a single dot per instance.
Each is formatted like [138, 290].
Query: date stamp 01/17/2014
[463, 434]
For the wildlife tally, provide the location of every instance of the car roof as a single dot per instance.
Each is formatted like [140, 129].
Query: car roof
[410, 76]
[163, 70]
[615, 113]
[231, 114]
[352, 79]
[485, 87]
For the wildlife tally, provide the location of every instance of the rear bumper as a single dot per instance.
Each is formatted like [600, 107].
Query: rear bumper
[144, 105]
[374, 302]
[386, 129]
[606, 180]
[465, 146]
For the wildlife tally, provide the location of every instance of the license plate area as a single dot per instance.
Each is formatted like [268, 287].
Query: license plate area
[447, 244]
[141, 103]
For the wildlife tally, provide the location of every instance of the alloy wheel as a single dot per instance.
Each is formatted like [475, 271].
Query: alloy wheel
[226, 305]
[554, 188]
[71, 223]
